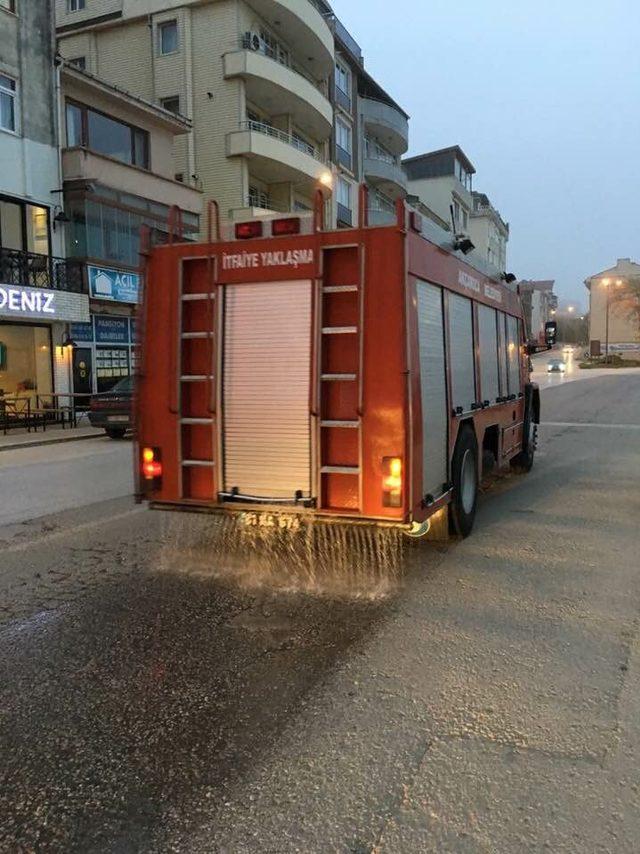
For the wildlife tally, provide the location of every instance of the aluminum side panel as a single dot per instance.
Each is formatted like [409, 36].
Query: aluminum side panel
[463, 379]
[488, 332]
[502, 353]
[433, 381]
[266, 376]
[513, 354]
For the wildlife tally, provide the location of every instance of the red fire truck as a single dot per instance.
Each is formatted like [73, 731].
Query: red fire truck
[361, 375]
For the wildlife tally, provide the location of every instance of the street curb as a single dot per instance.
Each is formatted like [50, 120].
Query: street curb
[56, 441]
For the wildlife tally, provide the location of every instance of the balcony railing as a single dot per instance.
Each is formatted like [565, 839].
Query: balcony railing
[265, 203]
[282, 136]
[40, 271]
[345, 215]
[343, 156]
[247, 42]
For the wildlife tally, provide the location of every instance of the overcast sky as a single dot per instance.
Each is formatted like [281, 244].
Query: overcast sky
[544, 98]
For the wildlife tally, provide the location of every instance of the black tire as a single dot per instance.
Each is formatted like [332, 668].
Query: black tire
[464, 476]
[115, 432]
[524, 460]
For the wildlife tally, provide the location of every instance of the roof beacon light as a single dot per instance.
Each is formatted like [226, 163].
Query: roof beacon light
[247, 230]
[282, 227]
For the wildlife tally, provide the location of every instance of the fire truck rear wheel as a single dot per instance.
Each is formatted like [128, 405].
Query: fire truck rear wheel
[524, 461]
[464, 475]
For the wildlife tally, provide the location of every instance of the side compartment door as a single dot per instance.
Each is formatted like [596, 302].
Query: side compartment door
[463, 370]
[433, 381]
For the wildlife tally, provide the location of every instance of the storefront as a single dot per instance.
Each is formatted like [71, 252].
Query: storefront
[34, 352]
[104, 352]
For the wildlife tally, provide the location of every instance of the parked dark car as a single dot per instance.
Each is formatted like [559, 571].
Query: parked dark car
[112, 410]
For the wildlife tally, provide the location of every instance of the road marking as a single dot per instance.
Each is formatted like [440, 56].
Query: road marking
[590, 424]
[63, 532]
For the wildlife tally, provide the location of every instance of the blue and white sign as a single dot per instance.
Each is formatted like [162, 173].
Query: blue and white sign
[116, 285]
[111, 330]
[81, 333]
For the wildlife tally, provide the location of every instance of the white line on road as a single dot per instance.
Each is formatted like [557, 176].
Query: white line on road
[590, 424]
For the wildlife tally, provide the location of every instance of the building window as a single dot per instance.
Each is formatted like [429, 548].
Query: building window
[172, 104]
[343, 86]
[75, 5]
[24, 227]
[343, 143]
[8, 94]
[168, 37]
[79, 62]
[343, 197]
[90, 129]
[9, 5]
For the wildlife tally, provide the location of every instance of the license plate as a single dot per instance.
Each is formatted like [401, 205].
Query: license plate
[119, 419]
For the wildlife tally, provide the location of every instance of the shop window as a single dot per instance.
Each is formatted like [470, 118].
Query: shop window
[8, 95]
[26, 370]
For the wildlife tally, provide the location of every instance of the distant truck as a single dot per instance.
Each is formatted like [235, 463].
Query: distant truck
[358, 375]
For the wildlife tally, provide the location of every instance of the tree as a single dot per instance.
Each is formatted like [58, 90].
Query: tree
[626, 300]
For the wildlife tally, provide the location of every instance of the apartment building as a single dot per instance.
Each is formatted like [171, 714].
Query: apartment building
[39, 293]
[371, 135]
[539, 303]
[253, 75]
[488, 231]
[612, 295]
[117, 170]
[443, 179]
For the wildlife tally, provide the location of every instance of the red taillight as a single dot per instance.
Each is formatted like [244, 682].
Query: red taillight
[281, 227]
[247, 230]
[392, 482]
[152, 466]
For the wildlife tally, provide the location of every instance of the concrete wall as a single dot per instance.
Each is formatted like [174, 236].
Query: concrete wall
[29, 157]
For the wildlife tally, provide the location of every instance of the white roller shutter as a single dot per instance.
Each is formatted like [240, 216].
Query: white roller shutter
[434, 389]
[463, 378]
[267, 366]
[502, 353]
[513, 354]
[488, 332]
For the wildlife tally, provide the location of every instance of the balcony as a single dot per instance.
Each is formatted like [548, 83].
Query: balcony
[306, 30]
[388, 123]
[81, 164]
[276, 156]
[387, 175]
[277, 88]
[28, 269]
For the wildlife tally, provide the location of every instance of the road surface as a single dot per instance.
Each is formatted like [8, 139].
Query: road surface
[48, 478]
[490, 704]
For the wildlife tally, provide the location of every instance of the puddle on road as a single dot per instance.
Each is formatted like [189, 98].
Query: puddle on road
[286, 554]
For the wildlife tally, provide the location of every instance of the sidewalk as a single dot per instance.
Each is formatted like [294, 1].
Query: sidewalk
[16, 439]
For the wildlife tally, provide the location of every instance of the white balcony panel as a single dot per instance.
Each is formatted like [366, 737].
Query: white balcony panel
[278, 89]
[306, 30]
[273, 160]
[387, 123]
[388, 177]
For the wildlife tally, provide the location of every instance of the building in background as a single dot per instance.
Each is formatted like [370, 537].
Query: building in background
[253, 76]
[443, 182]
[612, 294]
[443, 179]
[39, 293]
[371, 135]
[488, 231]
[539, 305]
[117, 165]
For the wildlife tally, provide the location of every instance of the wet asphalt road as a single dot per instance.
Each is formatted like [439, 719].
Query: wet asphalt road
[491, 704]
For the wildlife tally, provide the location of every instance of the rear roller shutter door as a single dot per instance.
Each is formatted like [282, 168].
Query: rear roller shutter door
[488, 331]
[267, 361]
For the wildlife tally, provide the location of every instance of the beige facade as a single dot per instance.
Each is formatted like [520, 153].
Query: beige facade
[607, 293]
[442, 180]
[252, 76]
[489, 232]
